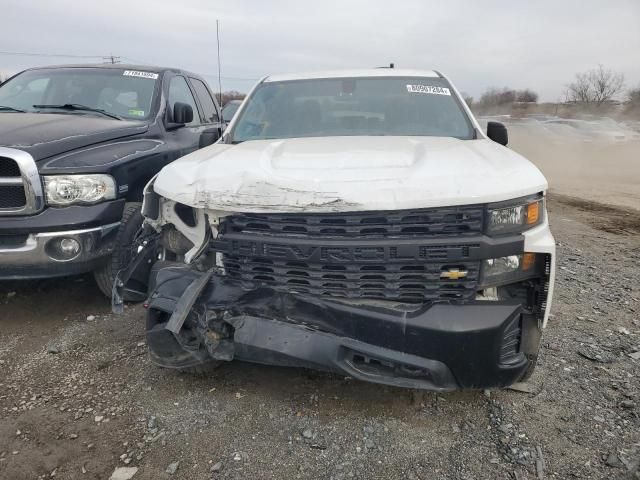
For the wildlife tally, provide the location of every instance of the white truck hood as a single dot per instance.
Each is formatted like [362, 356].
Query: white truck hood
[332, 174]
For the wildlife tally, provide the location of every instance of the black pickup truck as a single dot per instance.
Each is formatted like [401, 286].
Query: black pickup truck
[78, 144]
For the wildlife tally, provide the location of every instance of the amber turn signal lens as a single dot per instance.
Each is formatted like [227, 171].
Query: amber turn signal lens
[533, 213]
[528, 260]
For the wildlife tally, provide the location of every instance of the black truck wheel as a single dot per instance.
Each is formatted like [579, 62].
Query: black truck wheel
[123, 253]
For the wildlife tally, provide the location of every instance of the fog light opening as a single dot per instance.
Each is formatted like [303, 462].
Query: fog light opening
[64, 249]
[488, 294]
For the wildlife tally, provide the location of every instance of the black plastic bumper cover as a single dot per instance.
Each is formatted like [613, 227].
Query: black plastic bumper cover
[437, 347]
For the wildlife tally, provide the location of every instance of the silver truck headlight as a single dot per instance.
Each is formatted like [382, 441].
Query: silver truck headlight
[79, 189]
[515, 217]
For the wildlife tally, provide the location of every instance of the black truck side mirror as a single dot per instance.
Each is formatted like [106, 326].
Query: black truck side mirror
[209, 137]
[497, 132]
[182, 113]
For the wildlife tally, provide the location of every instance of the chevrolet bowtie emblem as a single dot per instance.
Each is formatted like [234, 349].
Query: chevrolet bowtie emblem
[453, 274]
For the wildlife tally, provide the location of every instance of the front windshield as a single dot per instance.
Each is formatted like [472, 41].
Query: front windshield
[395, 106]
[125, 93]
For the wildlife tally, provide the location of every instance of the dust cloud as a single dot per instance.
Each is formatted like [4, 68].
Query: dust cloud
[603, 172]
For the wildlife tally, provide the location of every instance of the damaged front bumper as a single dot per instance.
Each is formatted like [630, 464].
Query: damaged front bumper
[195, 317]
[394, 297]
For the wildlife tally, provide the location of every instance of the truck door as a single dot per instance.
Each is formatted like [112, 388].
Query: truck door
[186, 139]
[210, 113]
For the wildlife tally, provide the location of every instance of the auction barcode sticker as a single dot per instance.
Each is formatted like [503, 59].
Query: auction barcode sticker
[428, 89]
[135, 73]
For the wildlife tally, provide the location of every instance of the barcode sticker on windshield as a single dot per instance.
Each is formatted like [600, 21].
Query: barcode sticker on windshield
[428, 89]
[135, 73]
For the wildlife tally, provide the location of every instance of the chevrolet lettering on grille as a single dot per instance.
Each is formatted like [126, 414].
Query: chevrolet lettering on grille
[342, 253]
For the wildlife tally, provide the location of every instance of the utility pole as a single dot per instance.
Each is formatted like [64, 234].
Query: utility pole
[111, 59]
[219, 74]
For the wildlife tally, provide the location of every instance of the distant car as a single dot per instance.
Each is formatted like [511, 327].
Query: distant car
[541, 117]
[229, 110]
[610, 127]
[605, 129]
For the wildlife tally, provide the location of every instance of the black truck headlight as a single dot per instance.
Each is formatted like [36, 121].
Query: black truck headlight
[503, 270]
[516, 217]
[79, 189]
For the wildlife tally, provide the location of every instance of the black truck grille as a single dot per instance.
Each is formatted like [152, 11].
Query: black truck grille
[341, 255]
[11, 196]
[415, 282]
[399, 223]
[9, 167]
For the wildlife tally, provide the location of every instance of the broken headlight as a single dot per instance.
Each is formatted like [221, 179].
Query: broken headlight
[503, 270]
[515, 217]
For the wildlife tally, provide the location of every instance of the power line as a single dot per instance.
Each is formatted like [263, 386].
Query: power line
[113, 59]
[33, 54]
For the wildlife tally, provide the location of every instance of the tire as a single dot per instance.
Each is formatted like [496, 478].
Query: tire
[121, 256]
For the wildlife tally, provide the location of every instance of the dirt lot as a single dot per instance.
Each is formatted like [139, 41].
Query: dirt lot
[79, 397]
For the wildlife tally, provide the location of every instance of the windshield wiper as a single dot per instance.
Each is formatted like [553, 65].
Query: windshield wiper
[11, 109]
[81, 108]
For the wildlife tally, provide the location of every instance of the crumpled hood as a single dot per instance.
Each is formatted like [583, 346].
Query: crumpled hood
[46, 134]
[332, 174]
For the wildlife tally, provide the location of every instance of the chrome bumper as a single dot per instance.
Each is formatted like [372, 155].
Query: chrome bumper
[32, 258]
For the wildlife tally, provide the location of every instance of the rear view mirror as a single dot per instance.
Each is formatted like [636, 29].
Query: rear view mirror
[182, 113]
[497, 132]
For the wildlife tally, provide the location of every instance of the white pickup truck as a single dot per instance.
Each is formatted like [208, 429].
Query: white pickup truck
[355, 221]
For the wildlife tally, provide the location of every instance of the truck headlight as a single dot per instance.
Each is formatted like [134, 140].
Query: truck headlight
[78, 189]
[514, 218]
[503, 270]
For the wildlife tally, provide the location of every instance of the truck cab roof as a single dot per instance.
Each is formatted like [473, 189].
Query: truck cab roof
[354, 73]
[119, 66]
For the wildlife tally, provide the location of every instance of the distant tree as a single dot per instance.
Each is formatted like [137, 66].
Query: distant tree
[526, 95]
[468, 99]
[596, 86]
[494, 97]
[231, 95]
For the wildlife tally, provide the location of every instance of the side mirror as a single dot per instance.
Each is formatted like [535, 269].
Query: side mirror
[497, 132]
[182, 113]
[209, 137]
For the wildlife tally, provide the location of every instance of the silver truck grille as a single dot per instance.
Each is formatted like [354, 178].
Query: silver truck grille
[20, 187]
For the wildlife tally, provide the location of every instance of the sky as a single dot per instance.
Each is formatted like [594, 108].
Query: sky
[477, 44]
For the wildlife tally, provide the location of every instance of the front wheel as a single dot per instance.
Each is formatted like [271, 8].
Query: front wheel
[123, 253]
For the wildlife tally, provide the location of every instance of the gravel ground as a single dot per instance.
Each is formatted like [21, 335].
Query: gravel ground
[80, 399]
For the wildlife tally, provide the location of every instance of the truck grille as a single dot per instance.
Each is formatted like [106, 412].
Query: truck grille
[412, 223]
[11, 188]
[9, 167]
[12, 196]
[416, 282]
[20, 187]
[341, 255]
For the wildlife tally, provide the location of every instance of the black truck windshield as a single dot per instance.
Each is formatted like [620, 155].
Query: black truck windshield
[394, 106]
[119, 92]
